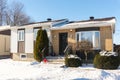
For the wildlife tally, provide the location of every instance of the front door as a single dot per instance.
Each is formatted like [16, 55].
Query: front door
[63, 42]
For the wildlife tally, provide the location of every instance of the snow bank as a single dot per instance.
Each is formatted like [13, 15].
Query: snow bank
[16, 70]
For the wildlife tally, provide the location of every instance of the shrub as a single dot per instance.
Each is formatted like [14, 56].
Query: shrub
[106, 62]
[41, 45]
[73, 61]
[46, 43]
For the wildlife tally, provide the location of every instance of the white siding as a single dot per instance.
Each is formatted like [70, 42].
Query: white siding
[14, 41]
[29, 40]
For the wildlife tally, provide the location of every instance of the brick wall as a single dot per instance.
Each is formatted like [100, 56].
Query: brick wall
[55, 39]
[16, 57]
[106, 38]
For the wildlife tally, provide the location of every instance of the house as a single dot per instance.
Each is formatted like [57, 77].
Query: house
[4, 41]
[62, 33]
[97, 31]
[23, 38]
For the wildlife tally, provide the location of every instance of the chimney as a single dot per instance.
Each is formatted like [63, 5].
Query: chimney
[49, 19]
[91, 18]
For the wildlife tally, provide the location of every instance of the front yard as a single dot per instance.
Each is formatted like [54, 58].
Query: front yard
[17, 70]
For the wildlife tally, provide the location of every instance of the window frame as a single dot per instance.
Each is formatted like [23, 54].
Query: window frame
[93, 38]
[21, 35]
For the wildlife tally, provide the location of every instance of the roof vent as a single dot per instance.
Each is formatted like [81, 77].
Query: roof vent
[49, 19]
[91, 18]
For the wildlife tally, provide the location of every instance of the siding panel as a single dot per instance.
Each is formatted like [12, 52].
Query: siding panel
[29, 41]
[14, 44]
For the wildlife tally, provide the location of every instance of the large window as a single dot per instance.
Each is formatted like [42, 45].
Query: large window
[91, 36]
[35, 33]
[21, 35]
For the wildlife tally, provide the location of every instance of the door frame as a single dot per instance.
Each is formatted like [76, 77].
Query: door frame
[61, 44]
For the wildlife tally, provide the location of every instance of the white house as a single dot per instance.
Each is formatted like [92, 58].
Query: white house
[23, 37]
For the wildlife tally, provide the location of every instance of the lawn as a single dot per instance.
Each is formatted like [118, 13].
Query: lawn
[18, 70]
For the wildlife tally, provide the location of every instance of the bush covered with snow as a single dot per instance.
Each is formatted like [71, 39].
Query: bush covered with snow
[106, 61]
[107, 53]
[73, 61]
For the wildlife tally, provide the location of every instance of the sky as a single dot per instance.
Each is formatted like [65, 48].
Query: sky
[40, 10]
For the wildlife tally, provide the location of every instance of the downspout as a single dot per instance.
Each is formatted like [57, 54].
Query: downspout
[112, 27]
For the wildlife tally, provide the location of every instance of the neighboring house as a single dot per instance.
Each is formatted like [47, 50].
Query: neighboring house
[4, 41]
[23, 38]
[98, 31]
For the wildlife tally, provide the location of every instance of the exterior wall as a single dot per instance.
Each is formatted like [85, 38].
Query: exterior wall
[29, 40]
[106, 41]
[55, 39]
[14, 43]
[4, 45]
[29, 43]
[16, 57]
[106, 38]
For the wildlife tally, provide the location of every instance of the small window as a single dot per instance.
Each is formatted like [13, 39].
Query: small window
[23, 56]
[21, 35]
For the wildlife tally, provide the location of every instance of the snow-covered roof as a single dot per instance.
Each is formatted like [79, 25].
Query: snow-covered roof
[39, 24]
[89, 23]
[4, 28]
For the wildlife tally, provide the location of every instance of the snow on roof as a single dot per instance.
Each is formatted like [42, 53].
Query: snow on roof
[39, 24]
[52, 21]
[4, 27]
[89, 23]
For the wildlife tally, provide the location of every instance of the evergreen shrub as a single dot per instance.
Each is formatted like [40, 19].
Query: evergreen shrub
[73, 61]
[41, 45]
[106, 62]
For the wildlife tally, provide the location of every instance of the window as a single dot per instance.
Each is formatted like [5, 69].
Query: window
[91, 36]
[86, 36]
[35, 33]
[23, 56]
[20, 35]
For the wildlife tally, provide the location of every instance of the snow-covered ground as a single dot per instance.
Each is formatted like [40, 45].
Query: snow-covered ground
[17, 70]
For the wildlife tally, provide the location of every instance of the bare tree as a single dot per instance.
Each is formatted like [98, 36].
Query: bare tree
[15, 15]
[2, 11]
[85, 46]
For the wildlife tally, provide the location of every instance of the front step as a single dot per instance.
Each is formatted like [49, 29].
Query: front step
[55, 59]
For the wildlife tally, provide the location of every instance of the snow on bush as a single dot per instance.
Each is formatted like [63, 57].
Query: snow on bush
[73, 56]
[107, 53]
[106, 60]
[73, 61]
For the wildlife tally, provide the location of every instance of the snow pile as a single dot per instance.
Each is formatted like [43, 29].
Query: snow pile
[107, 53]
[17, 70]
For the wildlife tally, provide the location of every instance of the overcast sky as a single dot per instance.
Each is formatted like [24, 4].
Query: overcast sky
[40, 10]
